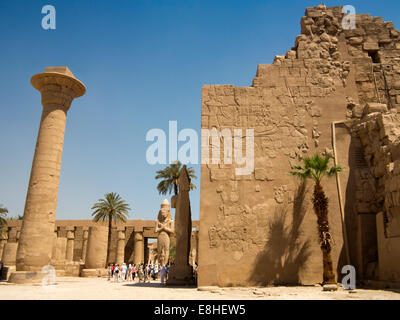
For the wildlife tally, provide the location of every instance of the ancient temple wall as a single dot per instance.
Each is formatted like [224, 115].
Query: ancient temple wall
[389, 253]
[255, 224]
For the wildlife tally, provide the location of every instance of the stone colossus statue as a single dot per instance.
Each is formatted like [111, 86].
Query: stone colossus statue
[164, 228]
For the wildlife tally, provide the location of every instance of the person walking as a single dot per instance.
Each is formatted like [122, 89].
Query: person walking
[116, 273]
[109, 272]
[129, 274]
[141, 274]
[149, 272]
[123, 271]
[163, 274]
[155, 272]
[133, 272]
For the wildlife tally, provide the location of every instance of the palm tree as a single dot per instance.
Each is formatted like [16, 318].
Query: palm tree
[170, 177]
[3, 215]
[316, 167]
[111, 208]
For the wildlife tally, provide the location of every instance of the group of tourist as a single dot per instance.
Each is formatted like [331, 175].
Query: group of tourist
[144, 272]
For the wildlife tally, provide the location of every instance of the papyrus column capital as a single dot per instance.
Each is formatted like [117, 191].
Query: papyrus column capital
[58, 87]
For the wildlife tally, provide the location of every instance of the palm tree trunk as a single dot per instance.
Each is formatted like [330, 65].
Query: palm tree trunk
[320, 202]
[109, 239]
[175, 189]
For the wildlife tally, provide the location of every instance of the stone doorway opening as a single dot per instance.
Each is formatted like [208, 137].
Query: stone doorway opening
[375, 56]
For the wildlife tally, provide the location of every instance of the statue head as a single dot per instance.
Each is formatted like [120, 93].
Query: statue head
[164, 213]
[165, 204]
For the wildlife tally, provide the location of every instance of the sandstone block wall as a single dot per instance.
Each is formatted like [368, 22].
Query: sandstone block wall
[389, 253]
[261, 227]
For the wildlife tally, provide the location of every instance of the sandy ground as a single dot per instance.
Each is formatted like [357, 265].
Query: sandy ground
[100, 288]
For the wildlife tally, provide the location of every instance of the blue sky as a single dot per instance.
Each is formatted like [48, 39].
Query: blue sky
[143, 63]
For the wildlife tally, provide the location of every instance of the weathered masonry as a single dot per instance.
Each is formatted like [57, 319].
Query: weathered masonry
[335, 91]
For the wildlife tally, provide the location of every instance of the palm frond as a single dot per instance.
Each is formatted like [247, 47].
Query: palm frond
[112, 207]
[315, 167]
[170, 177]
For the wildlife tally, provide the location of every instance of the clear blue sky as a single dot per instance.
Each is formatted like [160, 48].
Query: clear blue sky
[143, 63]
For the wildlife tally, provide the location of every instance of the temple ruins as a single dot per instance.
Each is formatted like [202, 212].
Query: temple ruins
[130, 243]
[337, 91]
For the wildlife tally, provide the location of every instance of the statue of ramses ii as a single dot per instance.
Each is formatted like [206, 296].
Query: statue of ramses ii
[164, 228]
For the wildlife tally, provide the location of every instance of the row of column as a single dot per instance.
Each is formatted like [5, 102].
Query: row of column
[98, 243]
[8, 246]
[139, 246]
[63, 247]
[94, 246]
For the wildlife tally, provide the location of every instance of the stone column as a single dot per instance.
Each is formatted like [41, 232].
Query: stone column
[3, 241]
[69, 255]
[58, 87]
[12, 234]
[59, 252]
[84, 244]
[8, 258]
[138, 245]
[96, 254]
[9, 254]
[146, 257]
[120, 246]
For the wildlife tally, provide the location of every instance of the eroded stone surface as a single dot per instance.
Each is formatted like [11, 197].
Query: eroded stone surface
[330, 75]
[181, 272]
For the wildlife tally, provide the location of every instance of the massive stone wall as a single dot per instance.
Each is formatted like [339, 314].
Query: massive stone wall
[260, 228]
